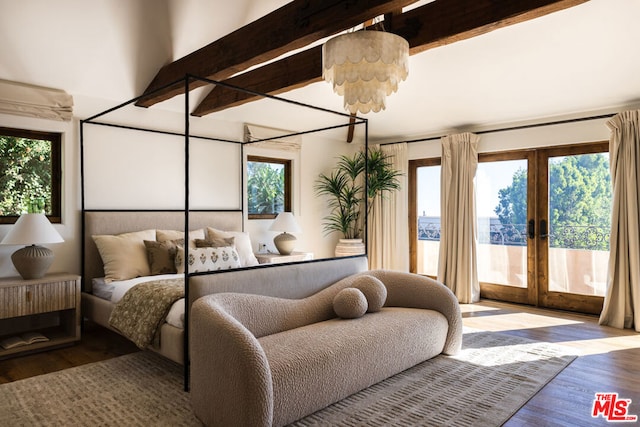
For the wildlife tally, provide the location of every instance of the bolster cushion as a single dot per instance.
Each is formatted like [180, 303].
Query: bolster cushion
[350, 303]
[373, 289]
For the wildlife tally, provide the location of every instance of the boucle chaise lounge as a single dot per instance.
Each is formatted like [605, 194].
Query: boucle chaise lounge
[263, 361]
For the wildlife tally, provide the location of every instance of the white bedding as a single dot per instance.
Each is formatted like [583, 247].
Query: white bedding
[114, 291]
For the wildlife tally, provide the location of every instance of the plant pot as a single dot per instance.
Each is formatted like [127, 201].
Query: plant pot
[348, 247]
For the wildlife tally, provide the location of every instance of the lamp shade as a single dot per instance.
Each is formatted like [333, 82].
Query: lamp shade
[32, 261]
[365, 67]
[285, 221]
[32, 229]
[285, 242]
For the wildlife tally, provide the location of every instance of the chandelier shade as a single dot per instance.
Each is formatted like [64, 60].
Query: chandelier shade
[365, 67]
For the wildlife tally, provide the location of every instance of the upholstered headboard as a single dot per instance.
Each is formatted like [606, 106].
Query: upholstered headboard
[116, 222]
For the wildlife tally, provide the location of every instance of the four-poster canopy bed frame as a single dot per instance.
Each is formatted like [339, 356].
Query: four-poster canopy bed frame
[116, 221]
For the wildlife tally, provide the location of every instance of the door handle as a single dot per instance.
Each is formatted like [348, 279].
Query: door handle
[543, 229]
[532, 229]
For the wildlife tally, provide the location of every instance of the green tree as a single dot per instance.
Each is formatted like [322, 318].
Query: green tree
[265, 188]
[512, 205]
[25, 182]
[579, 201]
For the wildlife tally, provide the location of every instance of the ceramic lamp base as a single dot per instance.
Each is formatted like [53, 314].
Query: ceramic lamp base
[32, 262]
[284, 243]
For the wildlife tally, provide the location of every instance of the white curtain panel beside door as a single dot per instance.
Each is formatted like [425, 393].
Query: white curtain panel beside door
[622, 300]
[457, 262]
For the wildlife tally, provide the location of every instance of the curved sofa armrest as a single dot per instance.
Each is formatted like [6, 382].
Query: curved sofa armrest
[415, 291]
[230, 376]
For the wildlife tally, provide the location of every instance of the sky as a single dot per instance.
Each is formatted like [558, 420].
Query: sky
[490, 178]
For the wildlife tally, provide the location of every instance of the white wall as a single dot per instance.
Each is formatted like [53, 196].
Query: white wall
[127, 169]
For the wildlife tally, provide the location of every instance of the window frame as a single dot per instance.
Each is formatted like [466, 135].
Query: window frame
[56, 170]
[287, 163]
[414, 165]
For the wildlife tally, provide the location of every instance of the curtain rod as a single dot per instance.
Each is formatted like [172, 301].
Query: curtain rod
[534, 125]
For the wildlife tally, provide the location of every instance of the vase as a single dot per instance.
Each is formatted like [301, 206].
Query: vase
[348, 247]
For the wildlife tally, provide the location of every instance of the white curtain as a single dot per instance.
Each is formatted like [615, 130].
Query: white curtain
[457, 262]
[622, 301]
[34, 101]
[388, 227]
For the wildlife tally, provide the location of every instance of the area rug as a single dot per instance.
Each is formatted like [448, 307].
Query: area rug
[484, 385]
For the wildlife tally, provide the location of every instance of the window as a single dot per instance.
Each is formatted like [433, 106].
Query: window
[424, 178]
[30, 162]
[543, 218]
[268, 187]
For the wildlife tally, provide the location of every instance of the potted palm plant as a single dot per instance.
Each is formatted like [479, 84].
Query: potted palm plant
[345, 187]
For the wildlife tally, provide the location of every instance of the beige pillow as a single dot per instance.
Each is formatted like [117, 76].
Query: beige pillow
[350, 303]
[242, 244]
[161, 256]
[124, 256]
[373, 289]
[215, 243]
[164, 235]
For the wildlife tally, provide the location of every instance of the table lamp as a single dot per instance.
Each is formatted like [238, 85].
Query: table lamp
[285, 222]
[33, 229]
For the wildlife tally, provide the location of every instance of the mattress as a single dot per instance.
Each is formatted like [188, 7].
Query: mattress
[114, 291]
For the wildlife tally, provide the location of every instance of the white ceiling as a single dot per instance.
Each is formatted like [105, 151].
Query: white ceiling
[577, 62]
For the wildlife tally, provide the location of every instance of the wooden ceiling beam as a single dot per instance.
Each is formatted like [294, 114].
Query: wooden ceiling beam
[277, 77]
[434, 24]
[293, 26]
[441, 23]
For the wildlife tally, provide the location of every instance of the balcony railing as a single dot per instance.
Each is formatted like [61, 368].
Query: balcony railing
[588, 237]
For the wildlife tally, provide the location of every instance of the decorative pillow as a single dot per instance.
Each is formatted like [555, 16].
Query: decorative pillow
[164, 235]
[124, 256]
[215, 243]
[242, 244]
[350, 303]
[373, 289]
[161, 256]
[207, 259]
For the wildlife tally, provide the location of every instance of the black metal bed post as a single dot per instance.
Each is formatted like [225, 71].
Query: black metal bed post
[242, 187]
[82, 222]
[186, 235]
[366, 188]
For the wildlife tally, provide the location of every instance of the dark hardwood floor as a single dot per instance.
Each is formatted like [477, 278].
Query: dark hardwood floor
[97, 344]
[609, 361]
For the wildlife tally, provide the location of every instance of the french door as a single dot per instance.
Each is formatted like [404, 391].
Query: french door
[543, 225]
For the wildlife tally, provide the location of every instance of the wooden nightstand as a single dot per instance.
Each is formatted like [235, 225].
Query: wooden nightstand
[276, 258]
[50, 305]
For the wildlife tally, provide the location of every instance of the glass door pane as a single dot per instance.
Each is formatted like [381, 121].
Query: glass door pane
[428, 219]
[501, 203]
[579, 218]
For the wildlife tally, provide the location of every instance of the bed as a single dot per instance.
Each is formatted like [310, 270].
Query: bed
[97, 304]
[304, 277]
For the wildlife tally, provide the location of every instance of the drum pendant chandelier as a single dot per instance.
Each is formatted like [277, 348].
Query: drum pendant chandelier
[365, 67]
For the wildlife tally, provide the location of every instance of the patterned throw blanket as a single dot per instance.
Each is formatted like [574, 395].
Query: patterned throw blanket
[141, 311]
